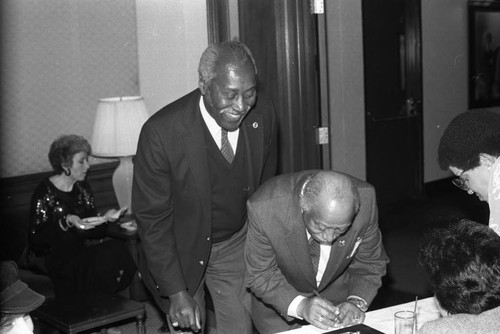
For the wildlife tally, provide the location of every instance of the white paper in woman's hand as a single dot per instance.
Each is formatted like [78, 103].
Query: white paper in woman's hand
[119, 213]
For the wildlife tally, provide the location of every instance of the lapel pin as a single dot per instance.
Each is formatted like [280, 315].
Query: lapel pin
[342, 243]
[255, 125]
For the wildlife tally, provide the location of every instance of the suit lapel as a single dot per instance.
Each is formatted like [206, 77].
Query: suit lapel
[253, 132]
[296, 241]
[195, 147]
[338, 254]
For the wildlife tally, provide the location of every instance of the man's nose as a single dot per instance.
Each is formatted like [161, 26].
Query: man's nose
[239, 104]
[330, 235]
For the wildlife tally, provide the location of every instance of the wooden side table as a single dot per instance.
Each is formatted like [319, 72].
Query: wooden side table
[75, 314]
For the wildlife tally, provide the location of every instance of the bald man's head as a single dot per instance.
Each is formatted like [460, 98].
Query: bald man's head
[329, 202]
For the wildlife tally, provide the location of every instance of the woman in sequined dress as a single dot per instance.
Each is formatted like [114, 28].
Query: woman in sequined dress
[77, 255]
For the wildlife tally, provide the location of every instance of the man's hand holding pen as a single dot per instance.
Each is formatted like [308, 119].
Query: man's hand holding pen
[323, 314]
[319, 312]
[350, 314]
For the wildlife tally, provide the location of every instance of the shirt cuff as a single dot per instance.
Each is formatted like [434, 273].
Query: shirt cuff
[292, 308]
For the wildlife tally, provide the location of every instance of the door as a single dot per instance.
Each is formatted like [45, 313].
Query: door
[393, 98]
[283, 43]
[282, 37]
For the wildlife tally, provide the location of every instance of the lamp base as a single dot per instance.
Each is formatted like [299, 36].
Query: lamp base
[122, 182]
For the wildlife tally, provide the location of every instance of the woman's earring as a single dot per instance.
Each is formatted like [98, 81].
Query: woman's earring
[67, 172]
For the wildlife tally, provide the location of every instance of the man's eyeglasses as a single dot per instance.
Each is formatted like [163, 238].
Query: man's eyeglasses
[460, 182]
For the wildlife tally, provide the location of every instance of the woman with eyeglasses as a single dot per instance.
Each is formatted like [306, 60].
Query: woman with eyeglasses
[470, 149]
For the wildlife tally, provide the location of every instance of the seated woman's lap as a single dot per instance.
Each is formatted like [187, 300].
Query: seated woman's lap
[106, 267]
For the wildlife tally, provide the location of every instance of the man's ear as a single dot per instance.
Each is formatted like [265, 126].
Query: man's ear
[486, 160]
[202, 87]
[302, 204]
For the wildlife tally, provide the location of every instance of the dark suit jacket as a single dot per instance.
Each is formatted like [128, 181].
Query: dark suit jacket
[172, 194]
[279, 266]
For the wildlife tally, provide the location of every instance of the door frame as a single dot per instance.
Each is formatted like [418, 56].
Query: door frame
[284, 46]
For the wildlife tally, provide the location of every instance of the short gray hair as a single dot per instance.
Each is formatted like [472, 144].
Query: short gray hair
[235, 51]
[335, 185]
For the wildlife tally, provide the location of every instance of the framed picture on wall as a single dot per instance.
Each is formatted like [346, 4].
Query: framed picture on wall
[484, 54]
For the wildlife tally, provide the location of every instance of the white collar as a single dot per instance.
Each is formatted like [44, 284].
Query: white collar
[215, 129]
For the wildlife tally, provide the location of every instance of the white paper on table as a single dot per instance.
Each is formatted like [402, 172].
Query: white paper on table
[307, 329]
[383, 319]
[118, 213]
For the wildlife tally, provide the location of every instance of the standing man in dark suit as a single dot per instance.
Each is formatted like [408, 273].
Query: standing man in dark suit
[190, 188]
[313, 251]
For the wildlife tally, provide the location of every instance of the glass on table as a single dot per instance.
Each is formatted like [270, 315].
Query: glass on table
[405, 322]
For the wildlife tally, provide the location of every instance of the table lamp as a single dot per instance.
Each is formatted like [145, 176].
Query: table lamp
[117, 126]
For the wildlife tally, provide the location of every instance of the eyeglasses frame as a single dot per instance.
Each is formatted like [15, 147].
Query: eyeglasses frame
[460, 182]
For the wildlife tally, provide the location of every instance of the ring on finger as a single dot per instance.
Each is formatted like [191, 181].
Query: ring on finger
[175, 324]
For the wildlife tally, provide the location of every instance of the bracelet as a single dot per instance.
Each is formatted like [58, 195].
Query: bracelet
[61, 221]
[358, 302]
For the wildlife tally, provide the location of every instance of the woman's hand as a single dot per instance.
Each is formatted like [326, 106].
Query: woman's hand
[110, 213]
[77, 222]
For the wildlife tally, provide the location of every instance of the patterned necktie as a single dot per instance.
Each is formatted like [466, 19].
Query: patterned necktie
[314, 251]
[225, 147]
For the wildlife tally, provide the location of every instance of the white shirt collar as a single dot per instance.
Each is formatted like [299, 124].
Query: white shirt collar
[215, 129]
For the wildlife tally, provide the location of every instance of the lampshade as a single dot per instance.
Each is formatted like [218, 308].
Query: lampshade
[117, 126]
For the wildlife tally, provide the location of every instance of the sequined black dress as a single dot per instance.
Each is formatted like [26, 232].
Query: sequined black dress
[76, 260]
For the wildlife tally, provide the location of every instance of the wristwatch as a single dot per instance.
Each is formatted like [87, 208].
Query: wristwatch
[359, 302]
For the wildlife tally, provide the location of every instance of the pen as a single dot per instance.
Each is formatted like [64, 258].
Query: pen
[337, 318]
